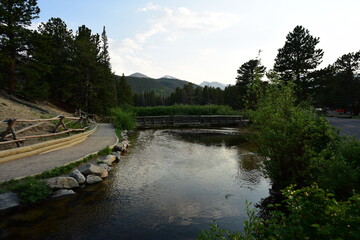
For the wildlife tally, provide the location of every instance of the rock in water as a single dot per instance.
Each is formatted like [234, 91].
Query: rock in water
[105, 166]
[79, 177]
[63, 192]
[62, 182]
[8, 200]
[91, 179]
[88, 169]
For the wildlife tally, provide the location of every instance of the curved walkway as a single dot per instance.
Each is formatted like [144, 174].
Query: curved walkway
[36, 164]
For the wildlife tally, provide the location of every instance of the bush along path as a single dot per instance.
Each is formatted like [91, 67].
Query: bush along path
[61, 181]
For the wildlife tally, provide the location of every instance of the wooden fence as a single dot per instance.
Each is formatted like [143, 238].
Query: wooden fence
[10, 135]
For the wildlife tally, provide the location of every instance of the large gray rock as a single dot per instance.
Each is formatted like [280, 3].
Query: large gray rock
[79, 177]
[92, 179]
[109, 159]
[122, 146]
[63, 192]
[88, 169]
[117, 155]
[105, 166]
[8, 200]
[62, 182]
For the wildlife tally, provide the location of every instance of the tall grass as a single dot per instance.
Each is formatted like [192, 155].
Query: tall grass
[184, 110]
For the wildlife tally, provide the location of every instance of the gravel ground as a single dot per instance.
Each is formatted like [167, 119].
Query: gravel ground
[347, 126]
[103, 137]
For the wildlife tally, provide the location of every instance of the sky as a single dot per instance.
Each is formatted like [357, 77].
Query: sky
[207, 40]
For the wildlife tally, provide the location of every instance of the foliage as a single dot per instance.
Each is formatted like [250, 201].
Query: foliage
[297, 57]
[123, 119]
[312, 213]
[31, 191]
[15, 16]
[184, 110]
[288, 135]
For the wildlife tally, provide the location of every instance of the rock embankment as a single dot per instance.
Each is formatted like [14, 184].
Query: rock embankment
[83, 175]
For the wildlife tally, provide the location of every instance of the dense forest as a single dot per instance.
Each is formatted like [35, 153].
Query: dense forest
[55, 64]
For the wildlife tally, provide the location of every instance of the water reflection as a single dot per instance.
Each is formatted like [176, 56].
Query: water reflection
[171, 185]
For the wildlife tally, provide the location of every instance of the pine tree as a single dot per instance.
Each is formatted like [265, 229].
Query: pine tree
[15, 16]
[297, 57]
[248, 74]
[124, 92]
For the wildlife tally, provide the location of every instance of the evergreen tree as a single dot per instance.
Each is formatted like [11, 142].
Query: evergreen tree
[347, 69]
[15, 16]
[124, 93]
[86, 54]
[248, 74]
[57, 52]
[297, 57]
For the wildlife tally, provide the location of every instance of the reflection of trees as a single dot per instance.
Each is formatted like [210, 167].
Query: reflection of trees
[249, 169]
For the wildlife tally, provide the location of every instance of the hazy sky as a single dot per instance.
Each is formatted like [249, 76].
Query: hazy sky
[207, 40]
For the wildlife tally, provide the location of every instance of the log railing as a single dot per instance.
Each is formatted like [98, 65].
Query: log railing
[10, 135]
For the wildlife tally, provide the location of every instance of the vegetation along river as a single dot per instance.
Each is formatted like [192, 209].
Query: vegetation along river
[171, 184]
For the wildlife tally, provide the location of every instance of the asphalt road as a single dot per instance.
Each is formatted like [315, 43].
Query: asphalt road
[103, 137]
[347, 126]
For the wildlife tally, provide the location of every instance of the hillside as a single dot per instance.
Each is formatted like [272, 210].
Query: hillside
[165, 85]
[12, 107]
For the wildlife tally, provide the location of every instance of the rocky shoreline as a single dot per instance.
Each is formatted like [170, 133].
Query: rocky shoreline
[85, 174]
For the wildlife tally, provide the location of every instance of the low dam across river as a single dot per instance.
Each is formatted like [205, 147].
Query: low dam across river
[189, 120]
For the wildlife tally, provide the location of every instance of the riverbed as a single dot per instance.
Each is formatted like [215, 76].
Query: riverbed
[170, 185]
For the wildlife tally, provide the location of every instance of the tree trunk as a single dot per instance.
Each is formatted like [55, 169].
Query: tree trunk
[11, 76]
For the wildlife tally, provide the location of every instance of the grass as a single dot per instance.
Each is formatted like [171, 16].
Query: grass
[185, 110]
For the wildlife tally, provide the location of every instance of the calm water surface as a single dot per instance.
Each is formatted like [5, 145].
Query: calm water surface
[172, 184]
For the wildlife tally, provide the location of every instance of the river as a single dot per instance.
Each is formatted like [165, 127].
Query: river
[170, 185]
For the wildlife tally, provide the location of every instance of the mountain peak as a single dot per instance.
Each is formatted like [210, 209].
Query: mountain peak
[139, 75]
[169, 77]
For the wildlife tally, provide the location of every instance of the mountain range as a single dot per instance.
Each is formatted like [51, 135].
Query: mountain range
[213, 84]
[163, 86]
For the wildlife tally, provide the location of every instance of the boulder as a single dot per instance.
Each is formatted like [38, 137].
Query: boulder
[8, 200]
[62, 182]
[79, 177]
[62, 192]
[92, 179]
[117, 155]
[88, 169]
[104, 174]
[105, 166]
[109, 159]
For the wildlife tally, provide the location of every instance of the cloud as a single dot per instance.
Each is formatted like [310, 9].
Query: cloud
[164, 25]
[182, 21]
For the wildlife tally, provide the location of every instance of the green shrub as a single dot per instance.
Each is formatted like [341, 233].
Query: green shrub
[312, 213]
[288, 135]
[122, 119]
[31, 190]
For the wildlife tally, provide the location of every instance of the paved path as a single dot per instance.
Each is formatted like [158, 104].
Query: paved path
[347, 126]
[103, 137]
